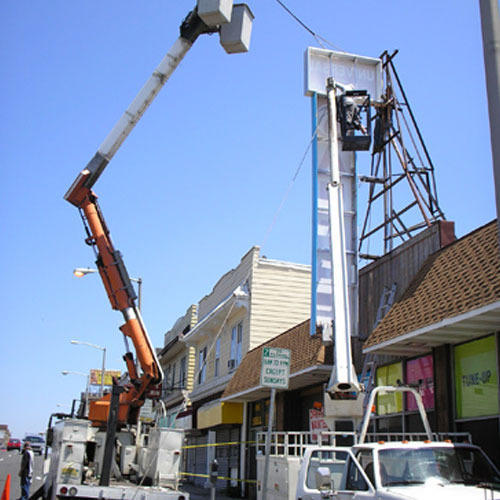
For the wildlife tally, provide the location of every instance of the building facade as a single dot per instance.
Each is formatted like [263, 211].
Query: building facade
[429, 318]
[178, 364]
[252, 303]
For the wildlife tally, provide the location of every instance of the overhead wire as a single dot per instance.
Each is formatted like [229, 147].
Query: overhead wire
[317, 37]
[322, 41]
[289, 188]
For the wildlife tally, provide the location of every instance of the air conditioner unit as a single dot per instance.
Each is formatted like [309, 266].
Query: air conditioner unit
[231, 364]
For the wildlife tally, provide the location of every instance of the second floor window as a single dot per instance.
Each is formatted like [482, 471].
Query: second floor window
[172, 380]
[166, 380]
[236, 341]
[182, 373]
[217, 358]
[202, 368]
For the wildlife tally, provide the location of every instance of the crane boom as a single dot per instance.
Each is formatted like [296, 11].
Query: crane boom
[206, 17]
[343, 378]
[122, 297]
[191, 28]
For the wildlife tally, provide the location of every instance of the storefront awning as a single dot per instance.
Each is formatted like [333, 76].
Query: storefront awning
[218, 413]
[455, 330]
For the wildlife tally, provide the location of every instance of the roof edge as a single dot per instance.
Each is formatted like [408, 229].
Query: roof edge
[434, 326]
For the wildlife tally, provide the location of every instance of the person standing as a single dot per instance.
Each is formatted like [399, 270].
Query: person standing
[26, 470]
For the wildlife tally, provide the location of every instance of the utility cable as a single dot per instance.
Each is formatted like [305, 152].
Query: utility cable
[317, 37]
[287, 192]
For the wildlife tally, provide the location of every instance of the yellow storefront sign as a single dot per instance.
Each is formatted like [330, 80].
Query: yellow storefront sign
[389, 375]
[216, 413]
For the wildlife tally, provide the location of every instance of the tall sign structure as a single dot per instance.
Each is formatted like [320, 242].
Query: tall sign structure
[349, 72]
[402, 193]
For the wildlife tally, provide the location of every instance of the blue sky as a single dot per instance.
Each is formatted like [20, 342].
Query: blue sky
[199, 180]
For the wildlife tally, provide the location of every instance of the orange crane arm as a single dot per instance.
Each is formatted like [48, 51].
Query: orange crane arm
[122, 297]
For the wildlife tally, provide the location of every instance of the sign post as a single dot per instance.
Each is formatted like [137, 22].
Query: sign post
[275, 372]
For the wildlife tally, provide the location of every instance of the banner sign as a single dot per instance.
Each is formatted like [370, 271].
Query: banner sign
[96, 375]
[420, 372]
[317, 423]
[476, 378]
[389, 375]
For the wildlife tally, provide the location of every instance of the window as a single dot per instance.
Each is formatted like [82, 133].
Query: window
[217, 358]
[236, 341]
[172, 381]
[333, 460]
[355, 480]
[389, 375]
[202, 356]
[166, 381]
[476, 378]
[420, 372]
[365, 459]
[182, 373]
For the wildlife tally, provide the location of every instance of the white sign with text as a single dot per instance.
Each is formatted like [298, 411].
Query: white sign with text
[275, 370]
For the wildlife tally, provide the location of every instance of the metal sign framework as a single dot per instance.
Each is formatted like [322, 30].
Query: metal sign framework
[400, 162]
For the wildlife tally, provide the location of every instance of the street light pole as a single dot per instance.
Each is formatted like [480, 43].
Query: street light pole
[68, 372]
[103, 370]
[79, 272]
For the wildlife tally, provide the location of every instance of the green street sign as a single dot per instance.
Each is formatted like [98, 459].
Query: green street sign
[275, 370]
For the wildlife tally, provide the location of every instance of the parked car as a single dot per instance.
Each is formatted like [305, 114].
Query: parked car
[14, 444]
[37, 443]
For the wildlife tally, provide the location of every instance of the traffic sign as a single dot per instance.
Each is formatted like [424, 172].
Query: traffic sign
[275, 370]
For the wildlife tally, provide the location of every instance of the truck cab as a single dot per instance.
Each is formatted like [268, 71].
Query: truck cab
[398, 470]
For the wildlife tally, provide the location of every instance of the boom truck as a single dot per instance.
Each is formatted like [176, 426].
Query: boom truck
[388, 466]
[102, 456]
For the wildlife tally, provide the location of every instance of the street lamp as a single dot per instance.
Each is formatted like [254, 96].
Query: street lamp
[103, 349]
[79, 272]
[69, 372]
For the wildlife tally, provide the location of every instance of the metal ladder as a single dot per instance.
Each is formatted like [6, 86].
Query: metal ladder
[370, 361]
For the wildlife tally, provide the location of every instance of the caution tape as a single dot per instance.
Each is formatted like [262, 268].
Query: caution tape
[207, 445]
[223, 478]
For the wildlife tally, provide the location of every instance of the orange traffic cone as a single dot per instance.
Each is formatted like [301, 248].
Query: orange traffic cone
[6, 489]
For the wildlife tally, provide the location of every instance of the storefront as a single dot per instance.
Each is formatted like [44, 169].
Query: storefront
[476, 388]
[397, 412]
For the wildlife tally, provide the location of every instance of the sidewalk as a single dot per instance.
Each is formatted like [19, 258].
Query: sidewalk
[201, 493]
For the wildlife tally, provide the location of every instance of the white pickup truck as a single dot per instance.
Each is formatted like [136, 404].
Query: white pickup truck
[383, 470]
[418, 467]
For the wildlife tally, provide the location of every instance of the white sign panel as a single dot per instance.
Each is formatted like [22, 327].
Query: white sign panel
[275, 370]
[352, 70]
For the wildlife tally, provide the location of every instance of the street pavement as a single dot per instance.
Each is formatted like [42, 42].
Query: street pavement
[10, 462]
[200, 493]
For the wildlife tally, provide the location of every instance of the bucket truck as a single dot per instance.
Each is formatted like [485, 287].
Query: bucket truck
[307, 466]
[99, 456]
